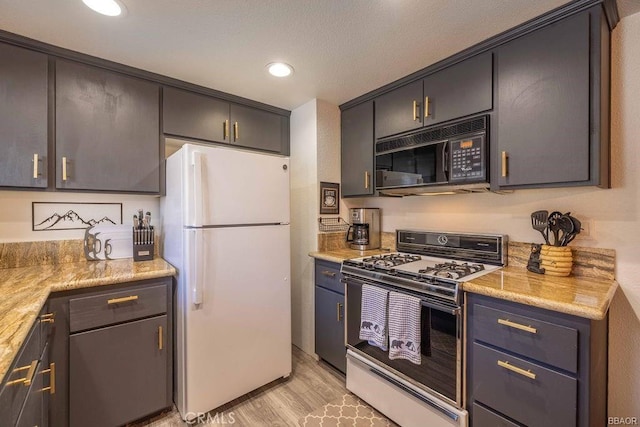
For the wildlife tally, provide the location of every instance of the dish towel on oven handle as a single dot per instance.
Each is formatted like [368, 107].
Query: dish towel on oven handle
[404, 327]
[373, 316]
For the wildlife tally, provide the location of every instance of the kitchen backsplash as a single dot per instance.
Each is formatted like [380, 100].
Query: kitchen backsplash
[334, 241]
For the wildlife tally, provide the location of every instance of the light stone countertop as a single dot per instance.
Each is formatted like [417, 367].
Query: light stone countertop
[24, 291]
[580, 296]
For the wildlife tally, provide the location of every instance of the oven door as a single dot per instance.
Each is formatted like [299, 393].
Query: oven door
[440, 370]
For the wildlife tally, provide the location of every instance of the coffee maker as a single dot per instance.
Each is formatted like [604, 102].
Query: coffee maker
[364, 231]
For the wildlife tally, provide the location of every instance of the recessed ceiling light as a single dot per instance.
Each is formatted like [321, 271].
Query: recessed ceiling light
[105, 7]
[279, 69]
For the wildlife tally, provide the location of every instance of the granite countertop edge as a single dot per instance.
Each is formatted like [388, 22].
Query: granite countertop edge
[27, 289]
[557, 289]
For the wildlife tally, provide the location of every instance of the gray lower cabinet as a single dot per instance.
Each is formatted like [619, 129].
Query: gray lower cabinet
[329, 314]
[457, 91]
[552, 105]
[533, 367]
[196, 116]
[118, 374]
[114, 351]
[107, 130]
[357, 145]
[30, 381]
[23, 117]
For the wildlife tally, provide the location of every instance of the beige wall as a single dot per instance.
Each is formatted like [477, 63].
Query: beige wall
[612, 217]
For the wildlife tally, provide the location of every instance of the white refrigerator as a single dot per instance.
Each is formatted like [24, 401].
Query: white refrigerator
[225, 222]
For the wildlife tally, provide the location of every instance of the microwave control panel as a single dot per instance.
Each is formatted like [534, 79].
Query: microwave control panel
[468, 159]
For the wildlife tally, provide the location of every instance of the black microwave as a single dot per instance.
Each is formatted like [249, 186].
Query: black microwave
[452, 154]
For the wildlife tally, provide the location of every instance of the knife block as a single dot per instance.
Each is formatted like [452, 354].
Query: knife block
[556, 260]
[143, 244]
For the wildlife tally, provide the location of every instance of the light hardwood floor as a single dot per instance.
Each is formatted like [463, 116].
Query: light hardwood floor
[283, 402]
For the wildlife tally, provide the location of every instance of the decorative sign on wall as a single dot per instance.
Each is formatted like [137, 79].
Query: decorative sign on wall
[329, 198]
[73, 216]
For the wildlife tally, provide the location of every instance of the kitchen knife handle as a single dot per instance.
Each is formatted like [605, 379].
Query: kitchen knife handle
[64, 168]
[426, 107]
[415, 110]
[504, 164]
[35, 166]
[225, 130]
[366, 180]
[236, 131]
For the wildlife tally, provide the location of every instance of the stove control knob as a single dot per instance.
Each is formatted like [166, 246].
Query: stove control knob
[442, 239]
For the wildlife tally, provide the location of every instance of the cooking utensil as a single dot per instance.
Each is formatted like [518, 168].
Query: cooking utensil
[539, 221]
[554, 227]
[577, 227]
[566, 227]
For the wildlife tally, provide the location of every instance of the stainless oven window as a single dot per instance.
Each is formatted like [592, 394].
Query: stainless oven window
[439, 370]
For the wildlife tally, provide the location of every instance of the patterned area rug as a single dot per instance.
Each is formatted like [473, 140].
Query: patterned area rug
[346, 411]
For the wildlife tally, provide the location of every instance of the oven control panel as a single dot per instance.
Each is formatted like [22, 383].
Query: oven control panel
[468, 159]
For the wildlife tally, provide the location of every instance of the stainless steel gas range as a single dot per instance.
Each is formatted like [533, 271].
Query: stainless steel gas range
[404, 323]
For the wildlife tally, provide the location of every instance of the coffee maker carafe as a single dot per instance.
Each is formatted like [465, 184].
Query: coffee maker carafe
[364, 231]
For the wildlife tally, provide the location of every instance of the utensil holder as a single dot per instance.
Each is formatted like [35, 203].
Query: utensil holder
[556, 260]
[143, 244]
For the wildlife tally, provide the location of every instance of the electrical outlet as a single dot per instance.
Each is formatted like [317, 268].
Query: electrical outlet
[586, 229]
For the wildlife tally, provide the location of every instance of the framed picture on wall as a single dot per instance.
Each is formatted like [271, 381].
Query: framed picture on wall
[329, 198]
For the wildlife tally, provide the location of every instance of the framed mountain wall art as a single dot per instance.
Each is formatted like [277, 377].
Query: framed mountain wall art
[48, 216]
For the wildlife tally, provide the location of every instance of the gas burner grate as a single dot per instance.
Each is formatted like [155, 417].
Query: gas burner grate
[390, 260]
[452, 270]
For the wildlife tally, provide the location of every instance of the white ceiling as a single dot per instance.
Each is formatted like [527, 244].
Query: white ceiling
[340, 49]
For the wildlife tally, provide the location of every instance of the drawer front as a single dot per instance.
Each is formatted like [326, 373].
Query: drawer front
[548, 400]
[109, 308]
[328, 276]
[482, 417]
[546, 342]
[15, 389]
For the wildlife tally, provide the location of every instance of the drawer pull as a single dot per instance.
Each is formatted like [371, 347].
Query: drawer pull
[339, 311]
[52, 378]
[160, 338]
[517, 370]
[504, 164]
[329, 273]
[64, 169]
[426, 106]
[48, 318]
[123, 299]
[507, 322]
[415, 110]
[225, 130]
[28, 378]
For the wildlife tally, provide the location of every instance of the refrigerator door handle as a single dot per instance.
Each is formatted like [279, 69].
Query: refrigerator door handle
[199, 257]
[198, 195]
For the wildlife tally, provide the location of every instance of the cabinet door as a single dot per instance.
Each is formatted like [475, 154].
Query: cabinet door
[107, 130]
[192, 115]
[33, 409]
[253, 128]
[543, 105]
[460, 90]
[23, 117]
[357, 145]
[329, 329]
[119, 373]
[399, 110]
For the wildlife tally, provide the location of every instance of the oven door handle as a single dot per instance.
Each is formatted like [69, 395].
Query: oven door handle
[415, 394]
[451, 310]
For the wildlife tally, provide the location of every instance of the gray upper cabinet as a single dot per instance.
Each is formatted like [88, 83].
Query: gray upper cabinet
[460, 90]
[23, 117]
[259, 129]
[107, 130]
[195, 116]
[191, 115]
[543, 102]
[399, 110]
[357, 150]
